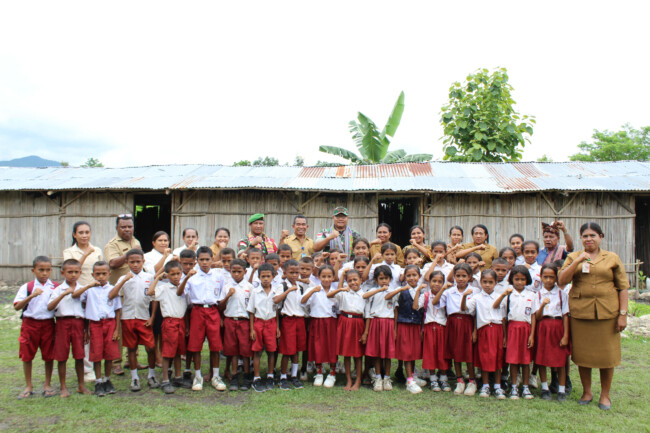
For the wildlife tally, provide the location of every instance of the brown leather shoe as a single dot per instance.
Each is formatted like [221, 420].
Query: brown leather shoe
[117, 370]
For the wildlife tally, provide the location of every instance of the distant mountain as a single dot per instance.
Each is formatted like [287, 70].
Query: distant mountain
[30, 161]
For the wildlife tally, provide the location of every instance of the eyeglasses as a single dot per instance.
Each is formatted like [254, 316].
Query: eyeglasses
[125, 215]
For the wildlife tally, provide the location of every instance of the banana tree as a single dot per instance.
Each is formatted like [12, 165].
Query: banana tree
[373, 144]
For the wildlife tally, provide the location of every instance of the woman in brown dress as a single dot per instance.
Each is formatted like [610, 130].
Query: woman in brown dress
[598, 309]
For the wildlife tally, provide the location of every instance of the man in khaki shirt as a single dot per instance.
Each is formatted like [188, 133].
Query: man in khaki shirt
[301, 245]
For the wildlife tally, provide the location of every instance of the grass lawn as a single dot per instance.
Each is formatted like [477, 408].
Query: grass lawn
[313, 409]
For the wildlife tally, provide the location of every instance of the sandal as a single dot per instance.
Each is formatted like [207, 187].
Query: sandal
[25, 394]
[48, 393]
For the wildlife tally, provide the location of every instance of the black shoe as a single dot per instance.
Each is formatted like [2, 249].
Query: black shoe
[297, 384]
[569, 385]
[399, 376]
[187, 377]
[108, 387]
[270, 383]
[179, 382]
[234, 383]
[451, 376]
[168, 388]
[546, 395]
[258, 385]
[553, 387]
[284, 385]
[245, 383]
[561, 397]
[100, 390]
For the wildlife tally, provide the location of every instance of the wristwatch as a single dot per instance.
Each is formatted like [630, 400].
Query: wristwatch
[622, 313]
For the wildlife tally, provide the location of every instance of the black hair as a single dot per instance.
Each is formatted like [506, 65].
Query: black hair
[335, 250]
[323, 268]
[352, 272]
[475, 255]
[216, 232]
[238, 262]
[481, 226]
[288, 263]
[534, 243]
[254, 251]
[366, 260]
[307, 259]
[412, 251]
[551, 267]
[500, 261]
[316, 254]
[382, 270]
[41, 259]
[409, 267]
[558, 263]
[362, 240]
[173, 264]
[203, 250]
[434, 273]
[285, 247]
[520, 269]
[266, 267]
[593, 226]
[388, 246]
[125, 217]
[99, 263]
[272, 256]
[417, 226]
[75, 226]
[134, 252]
[463, 267]
[299, 216]
[189, 228]
[159, 234]
[439, 243]
[187, 254]
[227, 252]
[459, 228]
[489, 272]
[516, 235]
[506, 249]
[70, 262]
[380, 225]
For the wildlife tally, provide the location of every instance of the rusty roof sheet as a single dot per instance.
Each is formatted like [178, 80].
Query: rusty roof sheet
[493, 178]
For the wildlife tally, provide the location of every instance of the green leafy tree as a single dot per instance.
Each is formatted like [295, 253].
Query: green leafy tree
[320, 163]
[544, 158]
[242, 163]
[373, 144]
[267, 161]
[299, 161]
[626, 144]
[65, 164]
[92, 163]
[480, 122]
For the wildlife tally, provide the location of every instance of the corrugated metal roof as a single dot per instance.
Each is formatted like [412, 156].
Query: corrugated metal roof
[496, 178]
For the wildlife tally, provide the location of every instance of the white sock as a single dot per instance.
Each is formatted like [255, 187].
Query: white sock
[215, 372]
[545, 386]
[269, 375]
[525, 386]
[497, 386]
[294, 370]
[104, 379]
[152, 372]
[283, 376]
[409, 380]
[257, 377]
[486, 386]
[134, 374]
[514, 387]
[98, 381]
[561, 388]
[197, 373]
[378, 376]
[187, 370]
[386, 376]
[443, 377]
[433, 378]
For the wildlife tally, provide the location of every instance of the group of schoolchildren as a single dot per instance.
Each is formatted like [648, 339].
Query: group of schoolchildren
[323, 306]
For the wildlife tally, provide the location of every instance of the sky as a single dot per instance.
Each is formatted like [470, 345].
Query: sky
[142, 83]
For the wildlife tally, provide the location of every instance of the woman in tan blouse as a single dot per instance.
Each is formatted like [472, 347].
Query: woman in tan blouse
[480, 245]
[598, 309]
[384, 232]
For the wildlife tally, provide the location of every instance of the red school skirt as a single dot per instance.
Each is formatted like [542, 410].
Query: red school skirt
[433, 349]
[517, 351]
[490, 347]
[408, 346]
[348, 333]
[459, 337]
[549, 353]
[381, 338]
[322, 340]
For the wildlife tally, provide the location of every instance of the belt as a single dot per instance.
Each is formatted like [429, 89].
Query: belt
[237, 318]
[552, 317]
[68, 317]
[205, 305]
[352, 316]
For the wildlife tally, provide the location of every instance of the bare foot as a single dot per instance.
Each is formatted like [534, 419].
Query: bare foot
[346, 387]
[64, 393]
[356, 386]
[83, 390]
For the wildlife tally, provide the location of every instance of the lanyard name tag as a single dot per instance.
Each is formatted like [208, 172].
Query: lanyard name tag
[585, 267]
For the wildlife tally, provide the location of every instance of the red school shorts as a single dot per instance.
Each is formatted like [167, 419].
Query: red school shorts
[34, 334]
[173, 337]
[266, 332]
[293, 335]
[69, 332]
[134, 333]
[205, 322]
[102, 345]
[237, 338]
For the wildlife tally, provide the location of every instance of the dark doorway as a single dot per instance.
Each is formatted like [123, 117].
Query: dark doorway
[401, 214]
[153, 212]
[642, 232]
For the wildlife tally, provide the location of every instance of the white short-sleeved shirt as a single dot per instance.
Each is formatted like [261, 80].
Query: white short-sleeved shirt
[475, 284]
[177, 251]
[522, 305]
[346, 265]
[535, 271]
[237, 303]
[206, 288]
[501, 286]
[37, 307]
[98, 306]
[520, 260]
[396, 272]
[452, 298]
[379, 307]
[68, 306]
[292, 305]
[171, 305]
[320, 306]
[351, 302]
[152, 258]
[74, 252]
[315, 281]
[434, 313]
[482, 305]
[135, 302]
[559, 305]
[261, 305]
[445, 268]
